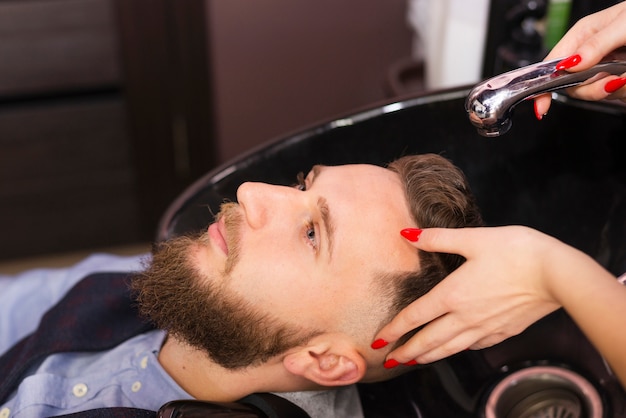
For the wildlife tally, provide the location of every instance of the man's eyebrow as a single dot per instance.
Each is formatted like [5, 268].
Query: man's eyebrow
[328, 225]
[327, 221]
[317, 169]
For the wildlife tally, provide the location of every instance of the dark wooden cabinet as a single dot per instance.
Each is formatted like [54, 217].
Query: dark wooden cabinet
[67, 180]
[56, 47]
[94, 122]
[167, 90]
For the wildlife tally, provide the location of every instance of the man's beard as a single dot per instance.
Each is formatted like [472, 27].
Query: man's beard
[203, 312]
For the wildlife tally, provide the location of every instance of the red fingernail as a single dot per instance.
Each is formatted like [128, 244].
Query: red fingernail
[538, 115]
[614, 85]
[412, 234]
[379, 343]
[568, 62]
[411, 363]
[391, 363]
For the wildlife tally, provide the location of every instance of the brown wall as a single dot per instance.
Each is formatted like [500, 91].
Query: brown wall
[280, 65]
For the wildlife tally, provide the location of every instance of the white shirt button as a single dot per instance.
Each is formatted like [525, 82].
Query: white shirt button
[5, 413]
[136, 386]
[79, 390]
[144, 362]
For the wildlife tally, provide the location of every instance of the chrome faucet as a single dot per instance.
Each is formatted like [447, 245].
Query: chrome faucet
[490, 103]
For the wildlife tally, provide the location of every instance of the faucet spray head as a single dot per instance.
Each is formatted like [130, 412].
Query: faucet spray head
[490, 104]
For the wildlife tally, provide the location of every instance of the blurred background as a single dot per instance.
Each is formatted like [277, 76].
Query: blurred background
[110, 108]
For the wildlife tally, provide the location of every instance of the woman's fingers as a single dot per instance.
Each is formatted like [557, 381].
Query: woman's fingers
[542, 105]
[437, 340]
[431, 305]
[423, 310]
[472, 328]
[605, 32]
[495, 294]
[591, 39]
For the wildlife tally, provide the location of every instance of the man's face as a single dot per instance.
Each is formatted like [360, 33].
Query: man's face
[307, 254]
[286, 259]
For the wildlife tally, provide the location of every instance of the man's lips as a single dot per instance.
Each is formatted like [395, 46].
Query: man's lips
[216, 233]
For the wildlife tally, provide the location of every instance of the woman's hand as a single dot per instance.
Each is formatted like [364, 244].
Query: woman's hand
[512, 277]
[583, 46]
[497, 293]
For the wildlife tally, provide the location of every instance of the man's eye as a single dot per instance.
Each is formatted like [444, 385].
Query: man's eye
[310, 234]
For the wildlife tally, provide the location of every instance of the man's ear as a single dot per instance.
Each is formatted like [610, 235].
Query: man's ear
[327, 363]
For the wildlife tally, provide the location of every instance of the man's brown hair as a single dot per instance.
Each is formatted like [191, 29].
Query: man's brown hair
[438, 195]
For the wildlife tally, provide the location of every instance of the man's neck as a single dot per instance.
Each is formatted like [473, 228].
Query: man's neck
[205, 380]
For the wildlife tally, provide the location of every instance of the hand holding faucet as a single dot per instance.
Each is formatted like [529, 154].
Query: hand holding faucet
[595, 71]
[585, 44]
[490, 104]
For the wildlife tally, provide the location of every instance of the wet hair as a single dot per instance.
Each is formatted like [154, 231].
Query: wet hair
[438, 195]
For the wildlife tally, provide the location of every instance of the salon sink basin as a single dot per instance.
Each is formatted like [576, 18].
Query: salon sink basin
[564, 175]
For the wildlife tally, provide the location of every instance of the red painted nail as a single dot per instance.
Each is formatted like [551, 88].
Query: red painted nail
[614, 85]
[379, 343]
[569, 62]
[411, 363]
[538, 115]
[391, 363]
[412, 234]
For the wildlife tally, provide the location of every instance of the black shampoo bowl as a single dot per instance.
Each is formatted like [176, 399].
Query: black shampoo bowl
[565, 175]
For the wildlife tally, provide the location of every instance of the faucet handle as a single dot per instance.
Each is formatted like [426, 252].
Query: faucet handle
[490, 103]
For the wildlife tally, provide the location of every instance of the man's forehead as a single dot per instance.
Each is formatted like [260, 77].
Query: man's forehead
[369, 169]
[373, 204]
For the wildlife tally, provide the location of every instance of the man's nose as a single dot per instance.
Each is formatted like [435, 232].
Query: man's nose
[262, 201]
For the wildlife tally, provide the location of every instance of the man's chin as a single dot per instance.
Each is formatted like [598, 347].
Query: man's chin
[209, 263]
